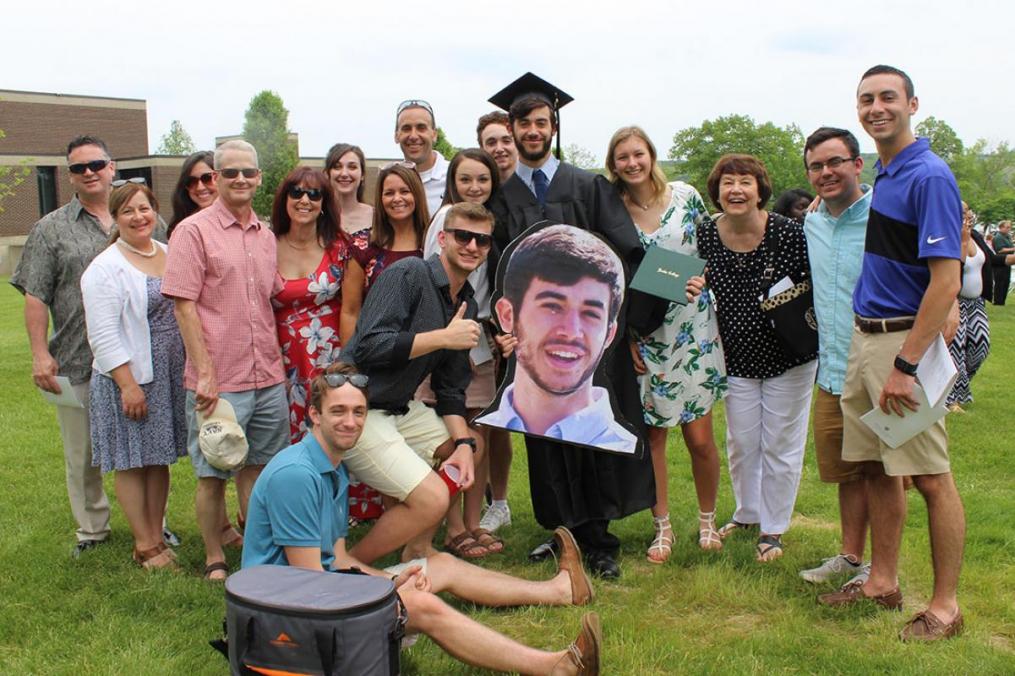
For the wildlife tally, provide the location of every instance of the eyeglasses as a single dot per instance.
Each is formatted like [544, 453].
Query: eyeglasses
[139, 180]
[399, 163]
[415, 103]
[297, 193]
[833, 163]
[338, 379]
[463, 237]
[95, 166]
[207, 178]
[232, 172]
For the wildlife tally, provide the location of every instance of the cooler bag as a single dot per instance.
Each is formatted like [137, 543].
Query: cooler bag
[283, 620]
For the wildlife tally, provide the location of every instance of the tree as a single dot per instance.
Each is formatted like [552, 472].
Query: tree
[266, 127]
[10, 178]
[697, 149]
[943, 140]
[986, 177]
[444, 146]
[579, 156]
[176, 141]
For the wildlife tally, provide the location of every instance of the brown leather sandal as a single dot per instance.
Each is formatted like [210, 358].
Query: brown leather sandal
[231, 537]
[214, 567]
[158, 556]
[464, 546]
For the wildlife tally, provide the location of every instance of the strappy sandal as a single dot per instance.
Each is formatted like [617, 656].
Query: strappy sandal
[662, 544]
[708, 536]
[493, 544]
[464, 546]
[769, 548]
[734, 526]
[214, 567]
[156, 557]
[231, 537]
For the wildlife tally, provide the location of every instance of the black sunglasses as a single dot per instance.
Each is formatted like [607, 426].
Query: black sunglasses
[139, 180]
[358, 380]
[232, 172]
[297, 193]
[463, 237]
[95, 166]
[207, 178]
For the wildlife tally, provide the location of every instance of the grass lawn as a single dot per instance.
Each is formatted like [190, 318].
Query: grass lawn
[719, 612]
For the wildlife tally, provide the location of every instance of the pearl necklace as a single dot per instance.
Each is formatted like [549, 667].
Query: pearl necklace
[145, 254]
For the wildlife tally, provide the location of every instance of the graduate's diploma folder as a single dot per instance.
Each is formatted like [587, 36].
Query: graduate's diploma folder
[664, 273]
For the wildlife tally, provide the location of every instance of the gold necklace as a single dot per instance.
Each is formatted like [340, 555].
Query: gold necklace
[300, 248]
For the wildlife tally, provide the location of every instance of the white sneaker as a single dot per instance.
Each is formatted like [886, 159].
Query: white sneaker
[832, 567]
[861, 577]
[495, 517]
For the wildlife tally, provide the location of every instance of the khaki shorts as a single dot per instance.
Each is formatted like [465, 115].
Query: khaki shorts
[827, 420]
[871, 358]
[396, 452]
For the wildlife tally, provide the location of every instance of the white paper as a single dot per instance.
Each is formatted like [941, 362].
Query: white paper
[896, 431]
[783, 284]
[936, 371]
[481, 353]
[67, 397]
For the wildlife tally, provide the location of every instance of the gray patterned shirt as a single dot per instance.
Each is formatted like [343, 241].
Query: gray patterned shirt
[58, 249]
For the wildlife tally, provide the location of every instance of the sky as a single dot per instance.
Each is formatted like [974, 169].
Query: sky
[342, 67]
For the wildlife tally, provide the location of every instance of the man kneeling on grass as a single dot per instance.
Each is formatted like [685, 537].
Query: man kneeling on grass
[298, 516]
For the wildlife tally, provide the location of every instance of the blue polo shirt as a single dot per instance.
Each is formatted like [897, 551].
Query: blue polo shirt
[835, 249]
[299, 500]
[916, 214]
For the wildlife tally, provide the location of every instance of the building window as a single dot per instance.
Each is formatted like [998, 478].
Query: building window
[46, 179]
[143, 172]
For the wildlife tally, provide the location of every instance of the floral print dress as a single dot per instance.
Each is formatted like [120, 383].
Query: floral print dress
[686, 369]
[307, 312]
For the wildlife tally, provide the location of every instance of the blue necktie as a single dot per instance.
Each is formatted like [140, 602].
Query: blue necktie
[541, 185]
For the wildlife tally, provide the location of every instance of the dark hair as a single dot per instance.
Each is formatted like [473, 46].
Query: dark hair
[562, 254]
[475, 213]
[787, 198]
[451, 195]
[882, 69]
[328, 229]
[183, 205]
[734, 163]
[86, 140]
[339, 150]
[496, 117]
[526, 104]
[822, 134]
[123, 194]
[318, 386]
[382, 234]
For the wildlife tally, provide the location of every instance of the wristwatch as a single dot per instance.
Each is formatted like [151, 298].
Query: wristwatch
[468, 441]
[904, 366]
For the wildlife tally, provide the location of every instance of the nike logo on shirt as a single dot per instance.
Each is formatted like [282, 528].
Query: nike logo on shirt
[934, 240]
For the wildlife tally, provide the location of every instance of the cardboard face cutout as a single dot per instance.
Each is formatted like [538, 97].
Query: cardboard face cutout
[558, 293]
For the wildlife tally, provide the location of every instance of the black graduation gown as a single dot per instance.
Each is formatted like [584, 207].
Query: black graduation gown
[570, 485]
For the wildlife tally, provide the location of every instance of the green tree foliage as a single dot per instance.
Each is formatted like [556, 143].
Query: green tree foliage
[10, 178]
[444, 146]
[579, 156]
[696, 150]
[986, 178]
[943, 139]
[176, 141]
[266, 127]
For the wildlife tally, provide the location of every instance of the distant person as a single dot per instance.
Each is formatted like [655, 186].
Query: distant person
[136, 400]
[1002, 243]
[793, 204]
[58, 249]
[493, 133]
[196, 187]
[221, 274]
[415, 134]
[346, 167]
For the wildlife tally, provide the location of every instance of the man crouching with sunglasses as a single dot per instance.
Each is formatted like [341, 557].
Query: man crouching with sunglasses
[298, 516]
[418, 320]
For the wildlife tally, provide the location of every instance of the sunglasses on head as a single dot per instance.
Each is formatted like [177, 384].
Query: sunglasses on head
[399, 163]
[297, 193]
[414, 103]
[338, 379]
[463, 237]
[206, 178]
[139, 180]
[232, 172]
[95, 166]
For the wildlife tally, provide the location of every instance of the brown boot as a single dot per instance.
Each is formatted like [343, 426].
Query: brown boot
[852, 592]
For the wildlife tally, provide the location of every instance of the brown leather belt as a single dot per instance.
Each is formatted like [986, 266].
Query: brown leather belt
[883, 325]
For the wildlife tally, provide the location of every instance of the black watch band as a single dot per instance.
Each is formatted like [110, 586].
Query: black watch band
[469, 441]
[904, 366]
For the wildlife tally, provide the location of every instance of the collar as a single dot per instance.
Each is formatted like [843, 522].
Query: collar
[440, 278]
[862, 202]
[910, 152]
[588, 423]
[318, 458]
[549, 166]
[77, 208]
[437, 172]
[221, 215]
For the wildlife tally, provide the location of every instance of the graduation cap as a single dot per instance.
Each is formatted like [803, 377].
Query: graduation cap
[530, 85]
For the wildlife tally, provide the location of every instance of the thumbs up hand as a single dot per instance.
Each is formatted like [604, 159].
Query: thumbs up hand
[461, 333]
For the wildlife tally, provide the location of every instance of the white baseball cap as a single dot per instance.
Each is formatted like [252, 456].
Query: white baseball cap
[220, 438]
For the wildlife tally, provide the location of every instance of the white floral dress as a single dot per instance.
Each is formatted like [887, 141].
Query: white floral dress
[686, 369]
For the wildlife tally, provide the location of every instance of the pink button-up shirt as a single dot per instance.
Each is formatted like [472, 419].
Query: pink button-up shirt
[229, 269]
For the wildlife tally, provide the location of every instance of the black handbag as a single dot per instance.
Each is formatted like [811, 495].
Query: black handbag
[791, 313]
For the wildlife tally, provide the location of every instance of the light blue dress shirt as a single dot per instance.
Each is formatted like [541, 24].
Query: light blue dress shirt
[525, 172]
[835, 249]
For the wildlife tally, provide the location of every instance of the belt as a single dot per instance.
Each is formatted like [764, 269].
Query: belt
[883, 325]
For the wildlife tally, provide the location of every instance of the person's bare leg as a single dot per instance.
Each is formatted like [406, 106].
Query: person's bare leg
[704, 460]
[156, 493]
[245, 479]
[209, 499]
[130, 493]
[500, 462]
[657, 447]
[853, 517]
[406, 521]
[947, 523]
[472, 503]
[886, 502]
[473, 643]
[490, 588]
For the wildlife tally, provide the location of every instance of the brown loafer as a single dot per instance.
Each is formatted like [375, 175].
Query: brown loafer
[570, 560]
[925, 626]
[584, 652]
[853, 593]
